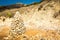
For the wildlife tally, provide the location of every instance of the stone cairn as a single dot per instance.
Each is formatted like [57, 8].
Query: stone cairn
[17, 27]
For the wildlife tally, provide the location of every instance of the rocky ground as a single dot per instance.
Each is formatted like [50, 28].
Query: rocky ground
[39, 21]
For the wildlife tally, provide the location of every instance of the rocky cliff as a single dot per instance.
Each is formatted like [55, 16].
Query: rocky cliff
[41, 21]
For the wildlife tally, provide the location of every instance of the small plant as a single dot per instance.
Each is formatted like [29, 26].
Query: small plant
[9, 14]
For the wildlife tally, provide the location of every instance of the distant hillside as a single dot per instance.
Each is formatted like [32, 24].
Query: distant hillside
[2, 8]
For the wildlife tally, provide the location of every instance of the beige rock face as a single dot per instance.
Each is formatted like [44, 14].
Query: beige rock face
[44, 18]
[4, 32]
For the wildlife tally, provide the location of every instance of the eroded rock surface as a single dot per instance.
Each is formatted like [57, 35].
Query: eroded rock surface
[35, 22]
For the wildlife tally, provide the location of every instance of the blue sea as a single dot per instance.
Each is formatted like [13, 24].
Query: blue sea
[9, 2]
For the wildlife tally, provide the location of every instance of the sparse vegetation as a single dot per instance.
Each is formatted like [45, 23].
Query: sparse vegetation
[9, 14]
